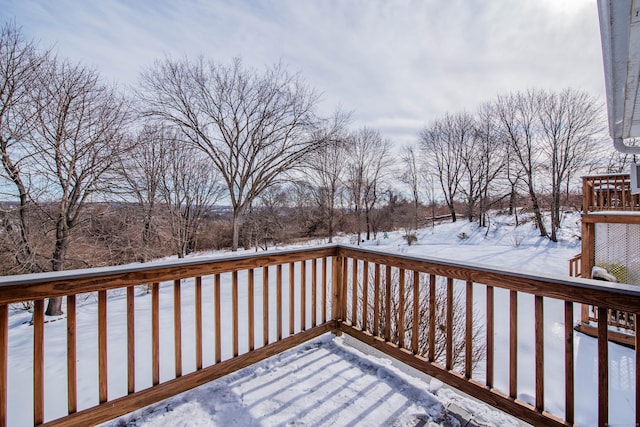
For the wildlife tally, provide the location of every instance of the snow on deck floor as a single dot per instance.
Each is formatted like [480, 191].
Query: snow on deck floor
[320, 383]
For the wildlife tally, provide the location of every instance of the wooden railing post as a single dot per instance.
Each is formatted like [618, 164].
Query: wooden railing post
[603, 368]
[588, 249]
[587, 194]
[4, 361]
[336, 288]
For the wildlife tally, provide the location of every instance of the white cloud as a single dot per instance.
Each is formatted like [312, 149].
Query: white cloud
[398, 64]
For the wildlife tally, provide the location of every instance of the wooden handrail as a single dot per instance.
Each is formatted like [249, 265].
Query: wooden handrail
[60, 283]
[579, 290]
[402, 305]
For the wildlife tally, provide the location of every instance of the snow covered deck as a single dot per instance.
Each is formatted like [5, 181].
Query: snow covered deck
[325, 381]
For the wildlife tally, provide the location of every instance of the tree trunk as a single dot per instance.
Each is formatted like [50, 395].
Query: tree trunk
[537, 212]
[512, 201]
[54, 307]
[368, 221]
[330, 214]
[236, 228]
[470, 210]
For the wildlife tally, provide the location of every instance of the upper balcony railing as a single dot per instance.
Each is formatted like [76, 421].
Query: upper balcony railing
[608, 193]
[446, 319]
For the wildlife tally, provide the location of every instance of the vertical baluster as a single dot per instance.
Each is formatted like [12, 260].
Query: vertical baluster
[38, 362]
[490, 322]
[324, 290]
[4, 361]
[102, 346]
[303, 295]
[401, 275]
[292, 284]
[387, 304]
[198, 313]
[568, 362]
[337, 263]
[250, 310]
[416, 312]
[131, 341]
[343, 295]
[432, 317]
[216, 314]
[354, 292]
[513, 344]
[468, 332]
[365, 294]
[265, 305]
[177, 327]
[234, 311]
[314, 292]
[539, 351]
[72, 376]
[155, 333]
[279, 301]
[449, 333]
[603, 368]
[376, 300]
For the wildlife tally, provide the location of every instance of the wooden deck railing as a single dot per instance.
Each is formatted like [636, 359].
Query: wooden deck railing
[291, 288]
[575, 265]
[439, 317]
[608, 193]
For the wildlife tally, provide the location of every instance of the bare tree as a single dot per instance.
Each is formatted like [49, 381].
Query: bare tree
[325, 169]
[253, 126]
[513, 174]
[369, 164]
[473, 163]
[618, 162]
[517, 117]
[411, 177]
[441, 146]
[568, 120]
[264, 222]
[488, 150]
[20, 65]
[142, 173]
[189, 188]
[76, 141]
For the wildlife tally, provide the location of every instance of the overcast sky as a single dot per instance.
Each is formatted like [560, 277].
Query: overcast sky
[396, 64]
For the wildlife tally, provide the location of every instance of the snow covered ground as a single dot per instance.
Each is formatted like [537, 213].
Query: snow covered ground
[324, 382]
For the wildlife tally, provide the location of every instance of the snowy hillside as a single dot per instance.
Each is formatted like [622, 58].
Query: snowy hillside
[501, 244]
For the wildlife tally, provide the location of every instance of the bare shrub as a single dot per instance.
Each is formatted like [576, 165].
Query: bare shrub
[410, 238]
[389, 289]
